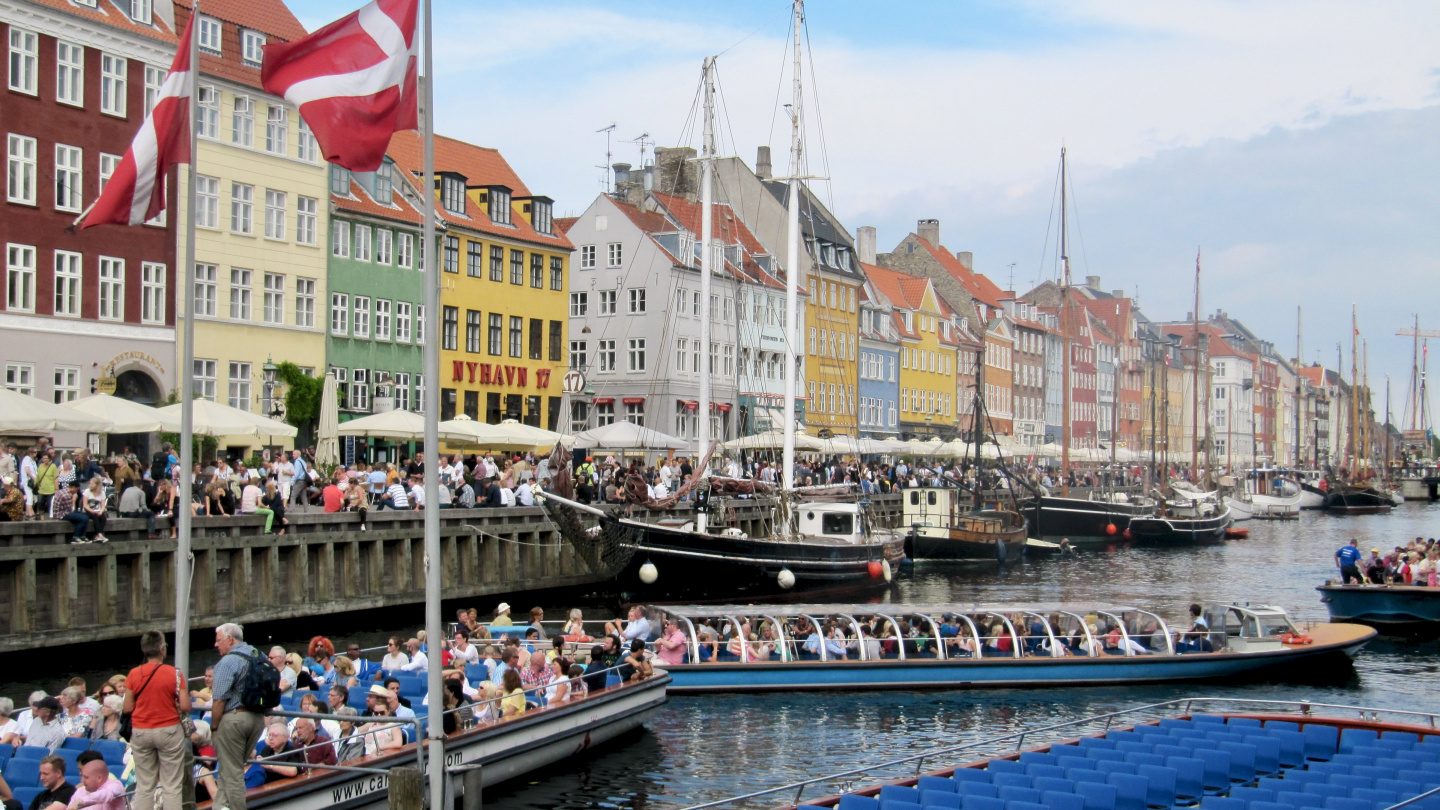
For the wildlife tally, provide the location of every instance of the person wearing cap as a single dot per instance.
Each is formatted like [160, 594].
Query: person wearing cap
[46, 730]
[1375, 567]
[502, 615]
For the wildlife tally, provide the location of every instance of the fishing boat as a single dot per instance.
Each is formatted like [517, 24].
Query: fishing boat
[1392, 609]
[943, 529]
[1191, 517]
[1083, 522]
[1264, 495]
[884, 646]
[1216, 752]
[1344, 499]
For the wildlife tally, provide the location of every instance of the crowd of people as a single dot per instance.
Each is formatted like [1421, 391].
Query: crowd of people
[1414, 563]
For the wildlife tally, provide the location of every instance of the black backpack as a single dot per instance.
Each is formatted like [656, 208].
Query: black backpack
[158, 463]
[259, 687]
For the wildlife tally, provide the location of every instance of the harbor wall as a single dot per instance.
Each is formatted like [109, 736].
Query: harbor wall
[56, 593]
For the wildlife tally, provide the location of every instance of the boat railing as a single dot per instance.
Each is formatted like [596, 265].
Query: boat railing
[910, 766]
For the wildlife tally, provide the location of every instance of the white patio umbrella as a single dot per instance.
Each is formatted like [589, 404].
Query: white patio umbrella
[399, 425]
[327, 446]
[629, 436]
[24, 412]
[956, 448]
[126, 416]
[512, 434]
[216, 419]
[775, 440]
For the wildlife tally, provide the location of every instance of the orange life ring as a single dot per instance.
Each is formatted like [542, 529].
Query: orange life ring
[1292, 638]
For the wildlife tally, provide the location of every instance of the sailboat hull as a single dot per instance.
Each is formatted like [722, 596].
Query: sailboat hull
[981, 536]
[1081, 522]
[1161, 531]
[1356, 501]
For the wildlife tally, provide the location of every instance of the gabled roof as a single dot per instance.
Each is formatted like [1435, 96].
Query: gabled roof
[563, 224]
[978, 285]
[109, 12]
[665, 219]
[907, 292]
[816, 221]
[481, 166]
[724, 225]
[360, 202]
[270, 17]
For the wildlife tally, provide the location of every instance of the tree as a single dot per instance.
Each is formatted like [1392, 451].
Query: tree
[302, 396]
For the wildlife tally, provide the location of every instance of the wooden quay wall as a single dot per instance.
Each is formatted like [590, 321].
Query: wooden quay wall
[54, 593]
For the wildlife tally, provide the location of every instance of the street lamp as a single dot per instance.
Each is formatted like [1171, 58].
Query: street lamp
[272, 390]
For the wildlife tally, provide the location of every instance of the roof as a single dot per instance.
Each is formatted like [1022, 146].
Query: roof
[725, 226]
[270, 17]
[481, 166]
[906, 292]
[977, 284]
[816, 221]
[109, 12]
[563, 224]
[360, 202]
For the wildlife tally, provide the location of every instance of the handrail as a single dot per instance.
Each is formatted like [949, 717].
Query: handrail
[1302, 706]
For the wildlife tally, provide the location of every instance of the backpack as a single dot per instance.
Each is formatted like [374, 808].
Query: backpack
[259, 687]
[159, 465]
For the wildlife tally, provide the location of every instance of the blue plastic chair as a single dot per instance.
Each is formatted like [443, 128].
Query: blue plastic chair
[1105, 754]
[1038, 758]
[1360, 759]
[1077, 762]
[1221, 803]
[72, 759]
[935, 783]
[900, 794]
[1404, 787]
[1267, 806]
[1168, 751]
[1251, 794]
[1350, 781]
[26, 795]
[895, 804]
[35, 752]
[1372, 795]
[1351, 737]
[1161, 792]
[982, 789]
[940, 798]
[1392, 744]
[1321, 742]
[1189, 776]
[1019, 794]
[1131, 791]
[1004, 780]
[1128, 747]
[1079, 775]
[1202, 719]
[1243, 722]
[1282, 725]
[1267, 753]
[1037, 771]
[970, 775]
[1019, 805]
[1347, 804]
[1242, 761]
[981, 803]
[1327, 768]
[1170, 722]
[1058, 800]
[1376, 771]
[1217, 768]
[1144, 759]
[1403, 736]
[1292, 746]
[1097, 796]
[76, 743]
[1326, 790]
[112, 750]
[1297, 799]
[1005, 766]
[852, 802]
[1123, 736]
[1049, 784]
[22, 772]
[1095, 742]
[1108, 767]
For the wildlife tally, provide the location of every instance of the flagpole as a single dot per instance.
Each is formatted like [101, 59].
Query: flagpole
[187, 392]
[436, 638]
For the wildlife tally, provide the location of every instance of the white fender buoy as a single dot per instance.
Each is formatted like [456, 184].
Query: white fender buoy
[785, 578]
[885, 569]
[649, 573]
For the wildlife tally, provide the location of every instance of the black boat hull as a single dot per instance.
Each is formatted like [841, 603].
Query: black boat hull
[1081, 522]
[1159, 531]
[1344, 501]
[986, 536]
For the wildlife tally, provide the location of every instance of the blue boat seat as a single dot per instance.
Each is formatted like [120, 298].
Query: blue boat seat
[1161, 785]
[1078, 775]
[1061, 750]
[26, 795]
[35, 752]
[1403, 736]
[76, 743]
[1374, 771]
[935, 783]
[1373, 795]
[1139, 759]
[1221, 803]
[1047, 784]
[1131, 791]
[1282, 725]
[1207, 718]
[1104, 754]
[1122, 736]
[1327, 768]
[1077, 762]
[1171, 722]
[1404, 787]
[1267, 806]
[1189, 776]
[981, 803]
[1168, 751]
[1097, 796]
[1038, 758]
[1350, 781]
[1242, 760]
[1295, 798]
[1347, 804]
[970, 775]
[1224, 736]
[1392, 744]
[898, 793]
[1037, 770]
[1019, 794]
[1187, 734]
[1267, 752]
[1305, 777]
[1146, 730]
[1217, 768]
[1292, 746]
[1358, 759]
[1095, 742]
[1351, 737]
[894, 804]
[1243, 722]
[1108, 767]
[1019, 805]
[1058, 800]
[1252, 794]
[1005, 766]
[940, 798]
[1275, 785]
[1326, 790]
[22, 772]
[1321, 742]
[1004, 780]
[977, 789]
[1128, 747]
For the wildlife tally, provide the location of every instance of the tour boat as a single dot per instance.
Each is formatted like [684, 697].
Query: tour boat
[1224, 753]
[1018, 646]
[1392, 609]
[941, 528]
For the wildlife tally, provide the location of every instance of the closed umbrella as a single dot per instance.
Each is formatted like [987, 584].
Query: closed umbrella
[216, 419]
[24, 412]
[126, 416]
[398, 425]
[327, 447]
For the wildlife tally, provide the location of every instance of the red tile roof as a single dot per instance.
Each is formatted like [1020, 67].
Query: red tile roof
[109, 13]
[481, 166]
[359, 202]
[563, 224]
[727, 227]
[270, 17]
[906, 292]
[977, 284]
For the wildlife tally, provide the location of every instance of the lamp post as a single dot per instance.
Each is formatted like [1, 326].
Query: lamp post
[271, 395]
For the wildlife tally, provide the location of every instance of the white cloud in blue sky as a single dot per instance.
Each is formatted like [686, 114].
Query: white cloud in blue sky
[1293, 139]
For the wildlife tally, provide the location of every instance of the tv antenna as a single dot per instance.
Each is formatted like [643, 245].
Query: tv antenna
[645, 141]
[605, 168]
[1011, 288]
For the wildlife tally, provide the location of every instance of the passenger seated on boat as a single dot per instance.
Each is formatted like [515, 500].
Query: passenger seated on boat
[637, 662]
[1093, 644]
[1035, 637]
[811, 648]
[998, 640]
[513, 704]
[670, 647]
[835, 644]
[768, 647]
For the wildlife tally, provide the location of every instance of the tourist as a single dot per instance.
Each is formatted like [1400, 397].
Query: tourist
[578, 689]
[47, 485]
[296, 664]
[1426, 569]
[323, 653]
[396, 497]
[574, 628]
[46, 730]
[235, 729]
[64, 506]
[204, 772]
[380, 735]
[57, 793]
[595, 670]
[348, 745]
[558, 690]
[636, 666]
[1375, 567]
[105, 724]
[395, 657]
[332, 496]
[278, 749]
[12, 500]
[288, 676]
[462, 652]
[513, 704]
[502, 616]
[670, 647]
[636, 626]
[1347, 559]
[355, 502]
[418, 661]
[73, 717]
[132, 505]
[457, 715]
[99, 789]
[315, 746]
[11, 732]
[537, 615]
[275, 502]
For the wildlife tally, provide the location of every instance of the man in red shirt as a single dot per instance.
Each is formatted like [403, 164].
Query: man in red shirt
[332, 496]
[305, 736]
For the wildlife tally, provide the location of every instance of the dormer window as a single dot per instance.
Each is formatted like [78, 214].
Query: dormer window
[498, 203]
[252, 45]
[452, 193]
[384, 188]
[140, 11]
[339, 180]
[542, 217]
[210, 35]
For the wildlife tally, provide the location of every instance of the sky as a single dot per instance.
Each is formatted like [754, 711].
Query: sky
[1293, 143]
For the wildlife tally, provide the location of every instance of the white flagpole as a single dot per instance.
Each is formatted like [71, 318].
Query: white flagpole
[435, 756]
[182, 376]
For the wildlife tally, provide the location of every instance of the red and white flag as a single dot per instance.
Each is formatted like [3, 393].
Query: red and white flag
[354, 81]
[135, 193]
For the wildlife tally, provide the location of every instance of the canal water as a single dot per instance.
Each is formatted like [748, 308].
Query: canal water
[704, 748]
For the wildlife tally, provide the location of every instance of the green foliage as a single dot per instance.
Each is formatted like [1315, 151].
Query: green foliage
[302, 395]
[201, 447]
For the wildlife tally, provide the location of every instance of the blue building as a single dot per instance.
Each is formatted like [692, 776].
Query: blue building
[879, 404]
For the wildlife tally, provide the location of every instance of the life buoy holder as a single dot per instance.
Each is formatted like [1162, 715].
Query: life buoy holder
[1293, 638]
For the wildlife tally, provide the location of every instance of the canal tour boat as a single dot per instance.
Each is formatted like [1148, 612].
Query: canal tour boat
[1234, 755]
[942, 528]
[1391, 609]
[886, 646]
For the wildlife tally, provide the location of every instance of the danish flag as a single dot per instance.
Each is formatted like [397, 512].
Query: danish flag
[135, 193]
[354, 81]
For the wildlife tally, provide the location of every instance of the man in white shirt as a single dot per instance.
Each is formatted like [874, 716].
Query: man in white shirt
[287, 675]
[491, 471]
[417, 494]
[667, 475]
[396, 497]
[507, 496]
[418, 661]
[284, 475]
[524, 494]
[462, 652]
[637, 627]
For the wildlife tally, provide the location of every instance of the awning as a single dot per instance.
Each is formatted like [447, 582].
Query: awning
[721, 406]
[605, 400]
[633, 400]
[690, 404]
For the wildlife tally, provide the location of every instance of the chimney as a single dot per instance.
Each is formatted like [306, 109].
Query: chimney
[929, 230]
[622, 177]
[1118, 293]
[649, 178]
[676, 166]
[1093, 282]
[967, 259]
[762, 163]
[864, 242]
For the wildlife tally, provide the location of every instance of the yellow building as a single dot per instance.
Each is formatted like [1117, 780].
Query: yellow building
[503, 299]
[260, 259]
[927, 352]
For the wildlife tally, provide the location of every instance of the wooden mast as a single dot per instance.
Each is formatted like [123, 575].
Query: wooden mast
[1195, 380]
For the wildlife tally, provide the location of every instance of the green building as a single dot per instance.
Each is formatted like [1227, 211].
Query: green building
[376, 308]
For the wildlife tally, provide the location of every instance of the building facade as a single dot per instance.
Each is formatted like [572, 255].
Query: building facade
[1028, 393]
[84, 310]
[879, 370]
[927, 353]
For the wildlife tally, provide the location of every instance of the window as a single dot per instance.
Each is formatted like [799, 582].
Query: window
[498, 206]
[636, 354]
[604, 414]
[587, 257]
[682, 351]
[579, 416]
[308, 150]
[273, 305]
[537, 271]
[579, 304]
[729, 355]
[451, 260]
[541, 217]
[112, 289]
[497, 263]
[363, 243]
[449, 328]
[24, 46]
[209, 35]
[420, 327]
[616, 254]
[473, 329]
[274, 214]
[402, 322]
[69, 74]
[207, 108]
[577, 354]
[497, 334]
[305, 219]
[359, 390]
[637, 300]
[606, 354]
[140, 11]
[20, 171]
[154, 80]
[537, 338]
[242, 197]
[107, 168]
[205, 289]
[452, 194]
[402, 391]
[67, 384]
[239, 294]
[557, 349]
[20, 378]
[607, 302]
[517, 336]
[20, 278]
[207, 199]
[517, 267]
[635, 413]
[239, 386]
[252, 47]
[112, 85]
[68, 279]
[339, 238]
[242, 122]
[152, 293]
[360, 326]
[305, 303]
[405, 249]
[474, 259]
[276, 129]
[68, 187]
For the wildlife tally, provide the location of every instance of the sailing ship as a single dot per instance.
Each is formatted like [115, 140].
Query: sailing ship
[1356, 495]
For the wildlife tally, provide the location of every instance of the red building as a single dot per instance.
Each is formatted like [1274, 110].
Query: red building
[93, 308]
